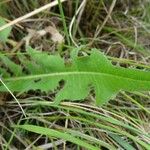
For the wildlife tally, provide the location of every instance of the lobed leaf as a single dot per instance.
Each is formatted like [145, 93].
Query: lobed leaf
[86, 72]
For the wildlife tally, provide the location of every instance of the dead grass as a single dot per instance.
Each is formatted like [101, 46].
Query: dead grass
[117, 28]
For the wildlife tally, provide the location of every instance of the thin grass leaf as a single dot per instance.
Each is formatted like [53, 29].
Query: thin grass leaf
[109, 127]
[57, 134]
[129, 42]
[122, 142]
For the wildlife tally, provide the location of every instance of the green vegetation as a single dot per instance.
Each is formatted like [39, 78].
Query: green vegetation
[46, 71]
[75, 75]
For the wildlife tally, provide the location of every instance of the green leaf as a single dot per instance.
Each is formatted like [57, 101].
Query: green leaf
[57, 134]
[95, 70]
[122, 142]
[16, 69]
[4, 33]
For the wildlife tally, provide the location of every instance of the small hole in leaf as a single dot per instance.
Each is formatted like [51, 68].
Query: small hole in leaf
[24, 70]
[61, 84]
[37, 80]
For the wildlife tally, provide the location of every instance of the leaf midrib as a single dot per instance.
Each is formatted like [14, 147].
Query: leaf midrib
[70, 73]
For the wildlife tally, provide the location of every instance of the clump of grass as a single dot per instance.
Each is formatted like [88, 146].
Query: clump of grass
[121, 124]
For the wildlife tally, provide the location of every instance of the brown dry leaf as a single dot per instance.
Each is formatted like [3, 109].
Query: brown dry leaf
[54, 33]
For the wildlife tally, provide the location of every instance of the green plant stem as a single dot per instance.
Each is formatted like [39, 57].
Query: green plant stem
[64, 22]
